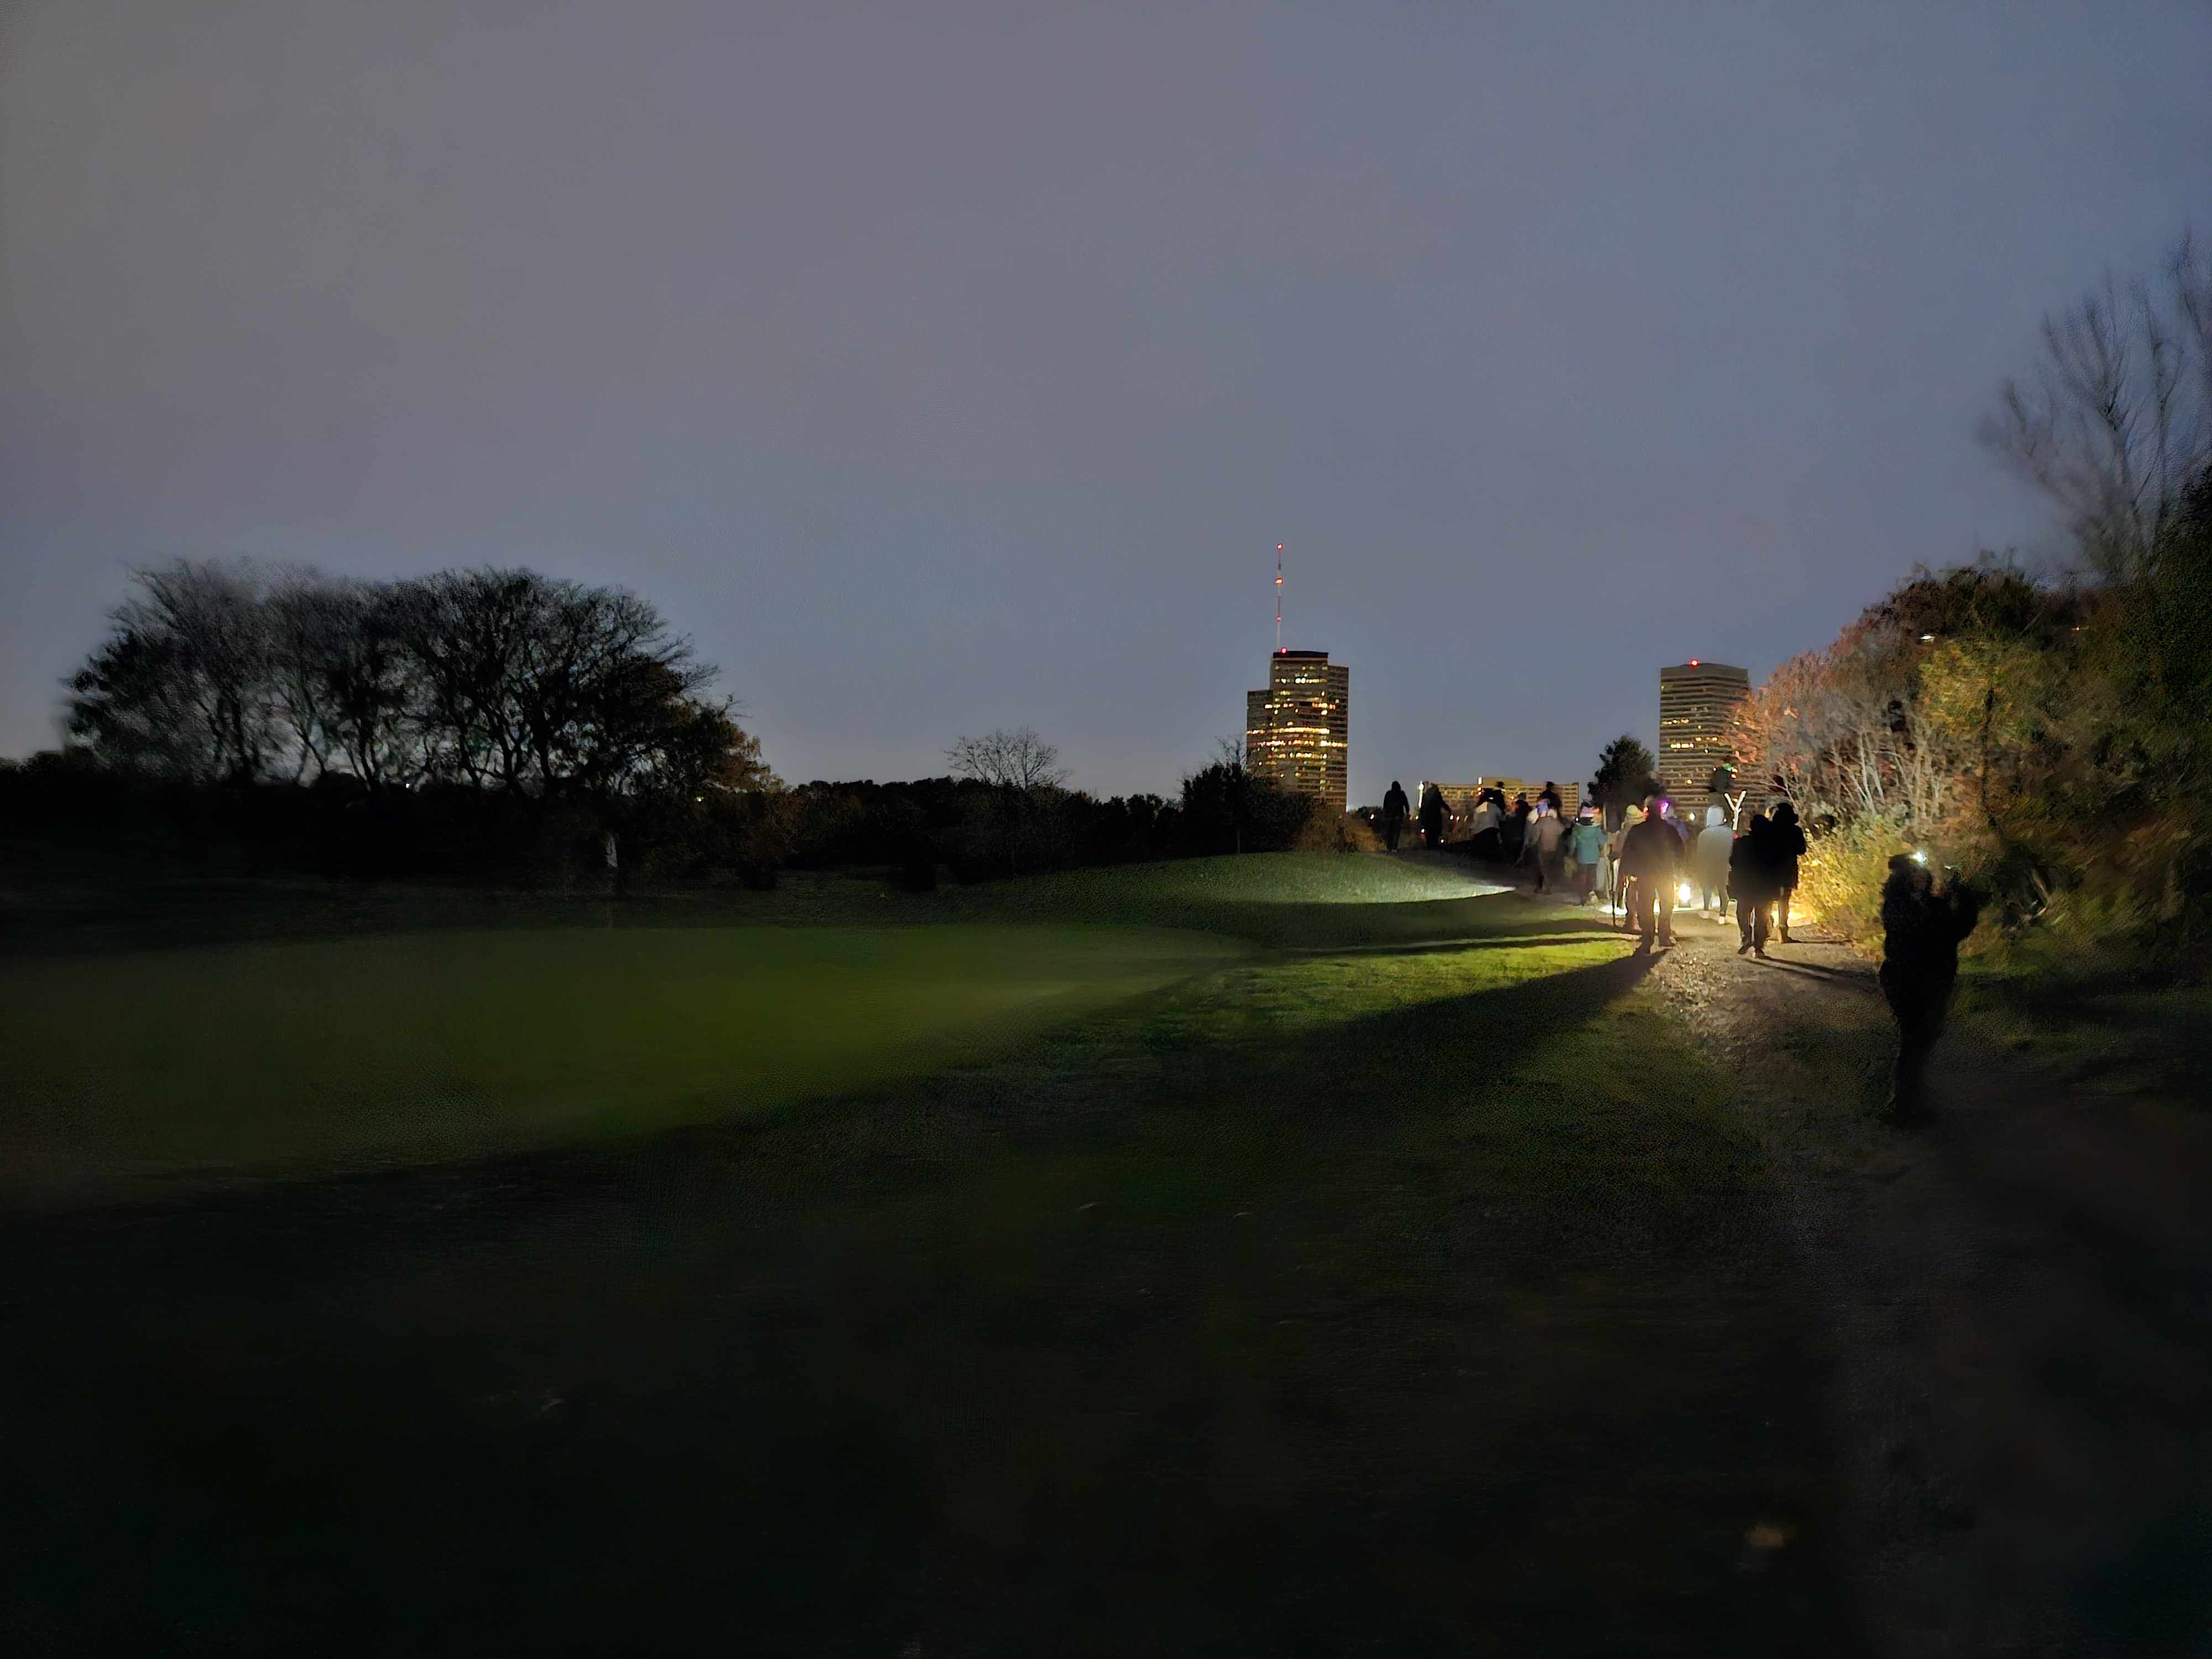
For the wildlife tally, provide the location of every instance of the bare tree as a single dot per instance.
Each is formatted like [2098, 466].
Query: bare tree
[1017, 759]
[1018, 764]
[2116, 423]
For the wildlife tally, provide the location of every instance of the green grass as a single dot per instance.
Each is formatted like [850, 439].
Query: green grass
[2095, 1032]
[327, 1052]
[1288, 897]
[1401, 1287]
[345, 1053]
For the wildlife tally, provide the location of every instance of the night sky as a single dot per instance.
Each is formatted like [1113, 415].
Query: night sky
[940, 367]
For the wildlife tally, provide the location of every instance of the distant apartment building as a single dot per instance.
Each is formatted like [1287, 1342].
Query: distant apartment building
[1696, 705]
[1297, 730]
[1459, 798]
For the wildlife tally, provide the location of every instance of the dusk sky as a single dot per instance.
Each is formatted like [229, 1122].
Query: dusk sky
[940, 367]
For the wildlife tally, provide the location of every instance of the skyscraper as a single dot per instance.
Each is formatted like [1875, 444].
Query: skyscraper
[1296, 730]
[1697, 702]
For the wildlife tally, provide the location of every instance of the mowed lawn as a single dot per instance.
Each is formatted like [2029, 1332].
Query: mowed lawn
[1405, 1285]
[340, 1054]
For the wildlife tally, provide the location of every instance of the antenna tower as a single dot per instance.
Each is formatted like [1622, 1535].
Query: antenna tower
[1278, 598]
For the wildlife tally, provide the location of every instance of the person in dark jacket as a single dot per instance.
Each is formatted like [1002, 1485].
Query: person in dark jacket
[1432, 816]
[1513, 834]
[1752, 883]
[1394, 808]
[1788, 846]
[1650, 862]
[1922, 929]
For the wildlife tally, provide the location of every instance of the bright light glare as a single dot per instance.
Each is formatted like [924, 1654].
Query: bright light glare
[1686, 894]
[1920, 855]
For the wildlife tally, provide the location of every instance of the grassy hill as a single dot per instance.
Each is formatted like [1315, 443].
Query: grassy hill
[1360, 1264]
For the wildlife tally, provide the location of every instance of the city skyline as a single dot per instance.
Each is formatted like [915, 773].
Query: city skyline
[936, 371]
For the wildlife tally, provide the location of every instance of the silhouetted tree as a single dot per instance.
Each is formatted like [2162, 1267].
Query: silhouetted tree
[1625, 776]
[1022, 770]
[2115, 424]
[1228, 808]
[1008, 759]
[183, 687]
[494, 680]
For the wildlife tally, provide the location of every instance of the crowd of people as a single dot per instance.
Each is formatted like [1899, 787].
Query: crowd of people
[1658, 858]
[1655, 859]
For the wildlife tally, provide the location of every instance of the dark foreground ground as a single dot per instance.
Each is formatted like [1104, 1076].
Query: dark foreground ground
[1416, 1288]
[1416, 1275]
[2016, 1301]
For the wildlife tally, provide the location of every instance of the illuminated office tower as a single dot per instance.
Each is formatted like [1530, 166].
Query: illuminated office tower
[1696, 705]
[1295, 731]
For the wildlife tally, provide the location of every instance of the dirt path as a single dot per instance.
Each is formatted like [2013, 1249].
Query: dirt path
[2019, 1306]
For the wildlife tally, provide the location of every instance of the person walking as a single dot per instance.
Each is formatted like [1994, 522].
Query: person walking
[1394, 808]
[1432, 816]
[1789, 846]
[1483, 827]
[1547, 840]
[1516, 827]
[1709, 861]
[1629, 818]
[1651, 862]
[1922, 929]
[1586, 847]
[1751, 882]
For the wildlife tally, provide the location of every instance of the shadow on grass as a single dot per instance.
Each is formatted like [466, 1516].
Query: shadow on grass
[1238, 1361]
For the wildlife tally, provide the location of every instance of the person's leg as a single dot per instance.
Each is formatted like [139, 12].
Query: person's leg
[1744, 911]
[1759, 929]
[1664, 892]
[1904, 1077]
[1782, 914]
[1917, 1031]
[1920, 1005]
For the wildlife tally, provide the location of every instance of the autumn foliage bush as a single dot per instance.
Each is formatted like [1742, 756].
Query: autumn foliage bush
[2051, 741]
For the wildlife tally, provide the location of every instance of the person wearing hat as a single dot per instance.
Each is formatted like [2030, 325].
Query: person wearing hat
[1922, 929]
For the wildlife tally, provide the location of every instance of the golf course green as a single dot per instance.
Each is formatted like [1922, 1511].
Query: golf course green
[338, 1053]
[1297, 1254]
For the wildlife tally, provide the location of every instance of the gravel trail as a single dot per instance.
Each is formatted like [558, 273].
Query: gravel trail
[2018, 1308]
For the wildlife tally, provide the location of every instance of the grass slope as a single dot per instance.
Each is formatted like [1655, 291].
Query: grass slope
[1403, 1288]
[345, 1053]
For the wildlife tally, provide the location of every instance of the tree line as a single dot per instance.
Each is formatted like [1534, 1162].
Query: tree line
[503, 725]
[490, 679]
[2052, 737]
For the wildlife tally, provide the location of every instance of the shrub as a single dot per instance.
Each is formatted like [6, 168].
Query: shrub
[1840, 879]
[1342, 832]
